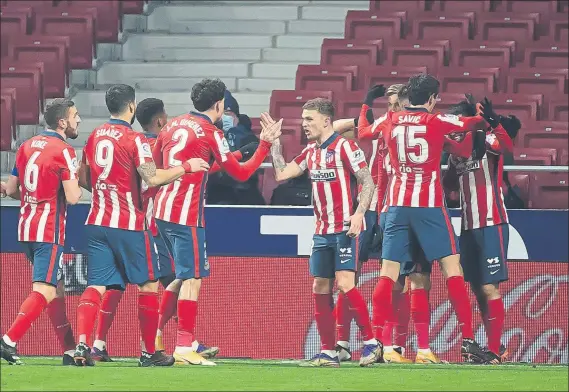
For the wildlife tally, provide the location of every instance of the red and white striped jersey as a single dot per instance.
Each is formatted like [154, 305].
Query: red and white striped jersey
[480, 182]
[148, 194]
[114, 151]
[194, 136]
[415, 139]
[42, 164]
[330, 167]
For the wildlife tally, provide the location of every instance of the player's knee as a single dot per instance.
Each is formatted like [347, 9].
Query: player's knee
[345, 282]
[148, 287]
[322, 286]
[390, 269]
[47, 290]
[190, 289]
[450, 266]
[175, 285]
[490, 291]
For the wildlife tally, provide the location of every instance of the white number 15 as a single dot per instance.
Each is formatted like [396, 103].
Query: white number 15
[407, 140]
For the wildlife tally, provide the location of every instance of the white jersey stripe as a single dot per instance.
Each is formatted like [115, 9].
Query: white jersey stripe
[401, 196]
[170, 200]
[116, 210]
[186, 205]
[487, 180]
[29, 222]
[131, 212]
[473, 200]
[21, 221]
[101, 212]
[72, 168]
[343, 185]
[42, 223]
[432, 190]
[163, 192]
[416, 190]
[328, 195]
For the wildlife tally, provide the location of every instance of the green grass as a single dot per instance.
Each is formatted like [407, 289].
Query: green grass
[46, 374]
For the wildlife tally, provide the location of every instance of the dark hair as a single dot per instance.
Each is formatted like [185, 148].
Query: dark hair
[463, 108]
[56, 110]
[421, 87]
[206, 93]
[118, 97]
[147, 109]
[321, 105]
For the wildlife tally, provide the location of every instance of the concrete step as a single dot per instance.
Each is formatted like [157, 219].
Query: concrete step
[303, 41]
[200, 54]
[332, 11]
[265, 84]
[226, 27]
[117, 72]
[274, 70]
[286, 55]
[168, 84]
[306, 26]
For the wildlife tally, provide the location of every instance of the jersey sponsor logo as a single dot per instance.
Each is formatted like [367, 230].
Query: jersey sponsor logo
[468, 165]
[323, 175]
[357, 157]
[345, 255]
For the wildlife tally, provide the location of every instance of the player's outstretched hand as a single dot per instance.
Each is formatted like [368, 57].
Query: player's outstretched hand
[373, 93]
[198, 165]
[2, 189]
[266, 120]
[356, 224]
[271, 132]
[487, 111]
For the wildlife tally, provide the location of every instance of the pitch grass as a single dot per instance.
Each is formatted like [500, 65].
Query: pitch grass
[46, 374]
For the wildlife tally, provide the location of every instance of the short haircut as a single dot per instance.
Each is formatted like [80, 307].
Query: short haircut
[147, 109]
[394, 89]
[118, 97]
[56, 110]
[421, 88]
[321, 105]
[463, 108]
[206, 93]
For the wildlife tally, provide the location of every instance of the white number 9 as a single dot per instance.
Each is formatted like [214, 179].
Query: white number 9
[104, 154]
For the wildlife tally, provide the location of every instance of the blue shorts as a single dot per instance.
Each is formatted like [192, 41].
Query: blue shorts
[370, 238]
[483, 254]
[331, 253]
[165, 260]
[47, 261]
[431, 227]
[118, 257]
[187, 245]
[419, 263]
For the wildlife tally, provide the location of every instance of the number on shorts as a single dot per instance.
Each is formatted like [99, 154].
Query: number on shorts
[104, 154]
[32, 173]
[406, 137]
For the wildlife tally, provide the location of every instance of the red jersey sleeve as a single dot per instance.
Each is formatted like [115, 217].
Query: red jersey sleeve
[352, 156]
[498, 141]
[66, 165]
[449, 123]
[371, 131]
[222, 155]
[141, 150]
[382, 176]
[157, 152]
[215, 167]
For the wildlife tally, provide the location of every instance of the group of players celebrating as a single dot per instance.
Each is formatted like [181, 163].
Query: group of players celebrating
[146, 222]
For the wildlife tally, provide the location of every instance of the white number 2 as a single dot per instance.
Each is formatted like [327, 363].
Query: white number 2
[104, 153]
[32, 173]
[181, 137]
[407, 139]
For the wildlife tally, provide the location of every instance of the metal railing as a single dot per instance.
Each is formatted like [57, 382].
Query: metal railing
[522, 168]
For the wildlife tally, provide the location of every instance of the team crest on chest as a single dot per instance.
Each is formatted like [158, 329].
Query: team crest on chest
[330, 156]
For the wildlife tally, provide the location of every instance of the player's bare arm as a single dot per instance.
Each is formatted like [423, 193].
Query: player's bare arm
[283, 171]
[84, 175]
[72, 191]
[365, 180]
[11, 188]
[345, 125]
[158, 177]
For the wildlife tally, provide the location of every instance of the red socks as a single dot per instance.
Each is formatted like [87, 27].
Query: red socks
[61, 325]
[382, 305]
[148, 319]
[187, 314]
[360, 312]
[109, 305]
[167, 308]
[421, 314]
[87, 313]
[403, 316]
[461, 303]
[30, 310]
[324, 319]
[495, 324]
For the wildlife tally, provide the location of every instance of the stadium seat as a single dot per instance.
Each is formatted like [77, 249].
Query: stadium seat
[533, 81]
[411, 6]
[132, 6]
[109, 20]
[547, 55]
[79, 25]
[559, 30]
[35, 4]
[549, 191]
[515, 27]
[374, 25]
[410, 53]
[269, 184]
[446, 100]
[543, 134]
[535, 156]
[528, 6]
[484, 54]
[563, 157]
[521, 180]
[478, 6]
[8, 118]
[326, 77]
[12, 24]
[525, 106]
[349, 104]
[478, 81]
[558, 109]
[388, 75]
[27, 79]
[351, 52]
[288, 103]
[52, 51]
[437, 27]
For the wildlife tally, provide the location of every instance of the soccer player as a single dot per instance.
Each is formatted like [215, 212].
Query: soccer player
[484, 236]
[44, 179]
[120, 247]
[179, 207]
[331, 161]
[415, 139]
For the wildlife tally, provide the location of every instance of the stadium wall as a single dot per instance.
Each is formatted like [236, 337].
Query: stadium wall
[257, 302]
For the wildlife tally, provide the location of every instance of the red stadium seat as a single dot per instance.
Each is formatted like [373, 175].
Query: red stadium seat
[351, 52]
[532, 81]
[558, 110]
[374, 25]
[521, 180]
[36, 4]
[559, 30]
[437, 27]
[549, 191]
[476, 81]
[535, 156]
[479, 6]
[79, 25]
[526, 107]
[27, 79]
[349, 104]
[388, 75]
[411, 6]
[109, 19]
[12, 24]
[291, 129]
[543, 134]
[484, 54]
[563, 157]
[132, 6]
[8, 118]
[53, 52]
[410, 53]
[447, 100]
[547, 55]
[521, 28]
[288, 103]
[527, 6]
[326, 77]
[269, 184]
